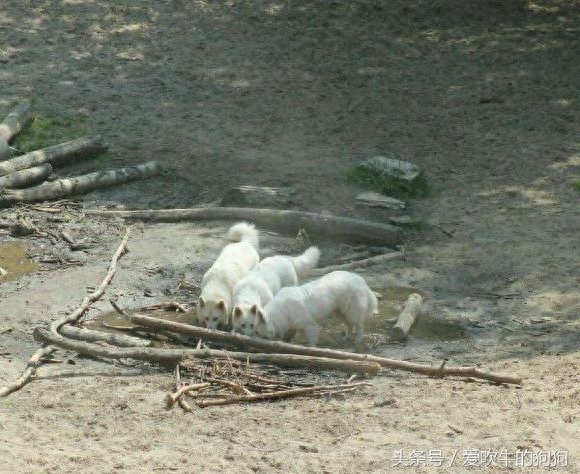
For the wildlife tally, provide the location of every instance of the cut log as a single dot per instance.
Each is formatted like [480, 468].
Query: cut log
[27, 177]
[90, 335]
[287, 348]
[287, 222]
[80, 184]
[407, 317]
[173, 356]
[12, 125]
[259, 196]
[57, 154]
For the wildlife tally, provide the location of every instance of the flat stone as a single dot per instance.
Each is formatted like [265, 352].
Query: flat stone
[372, 199]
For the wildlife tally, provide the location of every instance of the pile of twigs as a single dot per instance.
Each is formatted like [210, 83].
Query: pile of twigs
[223, 381]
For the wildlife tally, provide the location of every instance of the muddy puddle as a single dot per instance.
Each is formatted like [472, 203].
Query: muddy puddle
[14, 262]
[391, 304]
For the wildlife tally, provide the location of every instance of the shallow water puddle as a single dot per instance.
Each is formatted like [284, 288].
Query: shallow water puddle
[14, 262]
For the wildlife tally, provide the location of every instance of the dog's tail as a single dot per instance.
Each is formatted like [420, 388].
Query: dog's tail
[244, 232]
[373, 303]
[306, 262]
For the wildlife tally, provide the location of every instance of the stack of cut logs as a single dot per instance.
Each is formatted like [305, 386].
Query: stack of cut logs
[31, 170]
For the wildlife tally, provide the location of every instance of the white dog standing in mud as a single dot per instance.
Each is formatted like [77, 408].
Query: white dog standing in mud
[233, 263]
[302, 308]
[266, 279]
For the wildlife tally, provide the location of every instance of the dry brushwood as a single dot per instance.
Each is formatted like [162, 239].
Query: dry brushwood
[27, 177]
[287, 222]
[173, 356]
[56, 154]
[12, 125]
[287, 348]
[74, 317]
[367, 262]
[294, 392]
[80, 184]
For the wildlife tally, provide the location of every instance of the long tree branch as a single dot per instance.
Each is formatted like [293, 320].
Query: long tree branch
[286, 348]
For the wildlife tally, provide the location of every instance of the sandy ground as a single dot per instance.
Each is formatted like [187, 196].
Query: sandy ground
[483, 96]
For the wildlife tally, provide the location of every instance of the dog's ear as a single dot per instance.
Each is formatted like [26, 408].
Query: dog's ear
[254, 309]
[238, 312]
[261, 316]
[221, 304]
[201, 302]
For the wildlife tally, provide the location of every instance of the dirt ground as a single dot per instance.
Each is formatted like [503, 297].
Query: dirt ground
[482, 95]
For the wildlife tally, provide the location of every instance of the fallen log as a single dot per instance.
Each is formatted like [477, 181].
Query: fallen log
[79, 184]
[367, 262]
[286, 222]
[26, 177]
[57, 154]
[12, 125]
[287, 348]
[173, 356]
[407, 317]
[90, 335]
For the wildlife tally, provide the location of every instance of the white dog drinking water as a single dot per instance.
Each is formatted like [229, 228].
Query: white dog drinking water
[302, 308]
[266, 279]
[233, 263]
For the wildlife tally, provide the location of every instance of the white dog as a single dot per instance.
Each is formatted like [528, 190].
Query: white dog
[266, 279]
[302, 308]
[233, 263]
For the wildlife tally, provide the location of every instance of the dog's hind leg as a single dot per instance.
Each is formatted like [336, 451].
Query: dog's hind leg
[312, 332]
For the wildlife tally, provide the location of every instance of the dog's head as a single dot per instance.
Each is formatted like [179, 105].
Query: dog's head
[211, 314]
[261, 326]
[243, 318]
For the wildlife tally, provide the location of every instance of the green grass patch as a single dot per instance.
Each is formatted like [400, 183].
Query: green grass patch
[49, 129]
[576, 185]
[387, 184]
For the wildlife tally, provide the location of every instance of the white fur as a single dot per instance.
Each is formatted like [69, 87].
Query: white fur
[266, 279]
[302, 308]
[233, 263]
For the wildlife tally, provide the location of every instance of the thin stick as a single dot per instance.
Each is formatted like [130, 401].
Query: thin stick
[33, 363]
[295, 392]
[172, 398]
[286, 348]
[75, 316]
[236, 388]
[367, 262]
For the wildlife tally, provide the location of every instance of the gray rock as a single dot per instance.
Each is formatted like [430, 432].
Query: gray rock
[372, 199]
[402, 170]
